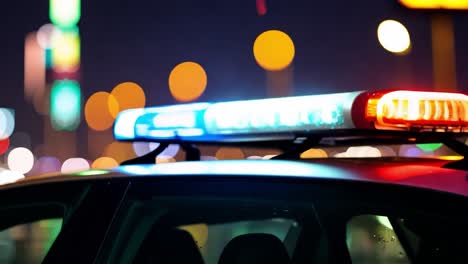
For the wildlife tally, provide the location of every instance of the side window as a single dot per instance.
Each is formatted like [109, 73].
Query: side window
[372, 239]
[28, 242]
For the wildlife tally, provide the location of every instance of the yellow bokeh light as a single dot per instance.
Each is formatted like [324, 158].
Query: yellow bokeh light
[435, 4]
[227, 153]
[394, 37]
[104, 163]
[66, 51]
[119, 151]
[314, 153]
[273, 50]
[100, 111]
[129, 95]
[187, 81]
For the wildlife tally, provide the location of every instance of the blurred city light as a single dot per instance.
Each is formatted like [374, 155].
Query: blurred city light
[187, 81]
[387, 151]
[100, 110]
[314, 153]
[119, 151]
[47, 164]
[141, 148]
[104, 163]
[8, 176]
[207, 158]
[74, 164]
[92, 172]
[34, 68]
[435, 4]
[4, 145]
[66, 50]
[229, 153]
[164, 159]
[171, 150]
[7, 122]
[413, 151]
[65, 105]
[65, 13]
[273, 50]
[267, 157]
[394, 37]
[128, 95]
[429, 146]
[20, 160]
[261, 7]
[360, 152]
[45, 35]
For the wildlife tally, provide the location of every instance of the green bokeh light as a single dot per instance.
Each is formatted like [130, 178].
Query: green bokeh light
[92, 172]
[65, 105]
[65, 13]
[429, 146]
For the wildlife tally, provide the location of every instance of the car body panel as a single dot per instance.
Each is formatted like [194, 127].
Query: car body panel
[421, 173]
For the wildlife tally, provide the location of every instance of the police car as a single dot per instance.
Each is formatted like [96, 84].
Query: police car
[286, 209]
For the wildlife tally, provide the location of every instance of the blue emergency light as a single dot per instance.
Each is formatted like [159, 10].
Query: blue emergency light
[395, 110]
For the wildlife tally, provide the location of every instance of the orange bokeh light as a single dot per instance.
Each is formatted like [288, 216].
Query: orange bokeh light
[128, 95]
[187, 81]
[34, 68]
[314, 153]
[227, 153]
[104, 163]
[435, 4]
[100, 111]
[119, 151]
[273, 50]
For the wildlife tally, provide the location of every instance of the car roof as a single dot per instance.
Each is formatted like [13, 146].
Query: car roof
[421, 173]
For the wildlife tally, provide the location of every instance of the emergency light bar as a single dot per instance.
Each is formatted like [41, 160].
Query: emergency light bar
[395, 110]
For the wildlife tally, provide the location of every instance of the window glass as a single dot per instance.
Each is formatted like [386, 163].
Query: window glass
[372, 239]
[211, 239]
[30, 242]
[157, 229]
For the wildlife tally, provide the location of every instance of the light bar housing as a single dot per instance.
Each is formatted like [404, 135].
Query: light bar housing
[261, 119]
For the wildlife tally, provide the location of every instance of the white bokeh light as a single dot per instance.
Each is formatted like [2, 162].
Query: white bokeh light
[393, 36]
[74, 165]
[170, 151]
[8, 176]
[141, 148]
[45, 34]
[360, 152]
[20, 160]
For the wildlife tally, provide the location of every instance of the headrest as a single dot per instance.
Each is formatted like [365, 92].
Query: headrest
[254, 248]
[169, 246]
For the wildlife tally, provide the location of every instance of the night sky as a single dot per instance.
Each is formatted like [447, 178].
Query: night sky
[142, 40]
